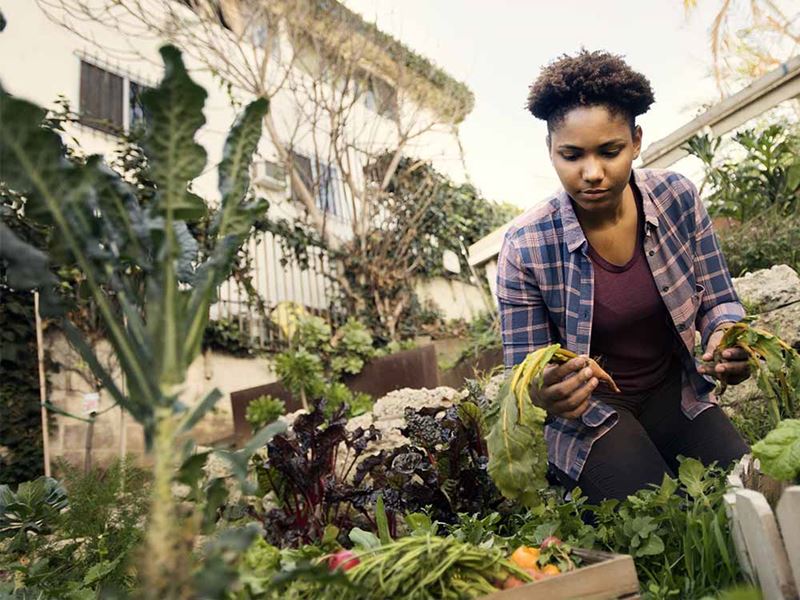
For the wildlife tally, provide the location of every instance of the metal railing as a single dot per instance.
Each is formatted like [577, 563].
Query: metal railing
[277, 283]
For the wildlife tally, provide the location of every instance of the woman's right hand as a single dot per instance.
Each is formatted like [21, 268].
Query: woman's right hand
[566, 388]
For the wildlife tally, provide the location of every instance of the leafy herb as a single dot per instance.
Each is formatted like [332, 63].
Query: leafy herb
[779, 452]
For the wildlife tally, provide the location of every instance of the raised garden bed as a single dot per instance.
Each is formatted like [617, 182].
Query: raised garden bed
[603, 576]
[767, 541]
[415, 368]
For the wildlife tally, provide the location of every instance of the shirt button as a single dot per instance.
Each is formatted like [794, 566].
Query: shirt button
[665, 288]
[652, 252]
[681, 327]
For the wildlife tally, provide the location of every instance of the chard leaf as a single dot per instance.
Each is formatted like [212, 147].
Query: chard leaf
[779, 452]
[517, 450]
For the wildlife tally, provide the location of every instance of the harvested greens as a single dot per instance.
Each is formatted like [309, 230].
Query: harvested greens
[517, 450]
[427, 566]
[776, 367]
[774, 364]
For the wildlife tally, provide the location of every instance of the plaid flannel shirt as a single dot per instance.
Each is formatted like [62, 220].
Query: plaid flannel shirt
[545, 289]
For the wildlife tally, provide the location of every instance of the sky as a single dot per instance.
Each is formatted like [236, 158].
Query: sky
[497, 48]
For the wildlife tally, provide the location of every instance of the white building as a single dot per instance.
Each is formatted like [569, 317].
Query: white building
[99, 66]
[51, 51]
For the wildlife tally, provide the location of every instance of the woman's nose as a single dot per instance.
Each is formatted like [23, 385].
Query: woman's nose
[592, 171]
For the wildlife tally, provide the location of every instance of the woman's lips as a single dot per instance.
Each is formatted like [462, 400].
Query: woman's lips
[594, 194]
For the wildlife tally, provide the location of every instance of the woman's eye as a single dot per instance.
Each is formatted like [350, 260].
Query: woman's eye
[611, 153]
[569, 156]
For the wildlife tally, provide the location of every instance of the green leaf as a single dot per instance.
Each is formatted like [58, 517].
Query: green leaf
[779, 452]
[191, 471]
[691, 474]
[216, 495]
[364, 539]
[196, 413]
[382, 521]
[653, 545]
[174, 114]
[420, 523]
[517, 450]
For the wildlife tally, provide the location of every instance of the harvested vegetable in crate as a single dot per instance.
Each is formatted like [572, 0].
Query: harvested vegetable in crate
[517, 450]
[428, 566]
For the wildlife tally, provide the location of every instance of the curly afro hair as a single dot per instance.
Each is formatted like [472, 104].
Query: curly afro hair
[589, 79]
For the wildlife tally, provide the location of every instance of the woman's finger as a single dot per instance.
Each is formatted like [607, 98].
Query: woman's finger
[574, 400]
[563, 390]
[556, 374]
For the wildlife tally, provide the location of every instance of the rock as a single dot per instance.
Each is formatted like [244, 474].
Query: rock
[736, 396]
[768, 289]
[388, 417]
[493, 387]
[392, 406]
[783, 322]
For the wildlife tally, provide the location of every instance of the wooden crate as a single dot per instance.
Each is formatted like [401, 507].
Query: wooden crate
[603, 576]
[767, 542]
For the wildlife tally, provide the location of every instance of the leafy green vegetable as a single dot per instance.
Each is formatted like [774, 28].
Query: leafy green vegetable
[34, 507]
[774, 363]
[779, 452]
[517, 450]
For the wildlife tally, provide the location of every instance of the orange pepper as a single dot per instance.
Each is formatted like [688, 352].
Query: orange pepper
[551, 570]
[526, 557]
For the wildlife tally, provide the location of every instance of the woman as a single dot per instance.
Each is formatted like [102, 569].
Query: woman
[622, 265]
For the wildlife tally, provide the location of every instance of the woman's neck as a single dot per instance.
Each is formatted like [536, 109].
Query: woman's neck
[615, 213]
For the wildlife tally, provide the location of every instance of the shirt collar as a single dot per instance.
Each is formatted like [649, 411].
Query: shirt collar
[573, 233]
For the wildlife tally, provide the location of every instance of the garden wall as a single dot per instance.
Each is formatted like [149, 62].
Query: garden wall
[456, 299]
[112, 431]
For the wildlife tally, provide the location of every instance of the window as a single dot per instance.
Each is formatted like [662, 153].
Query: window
[101, 99]
[327, 197]
[104, 103]
[136, 115]
[377, 94]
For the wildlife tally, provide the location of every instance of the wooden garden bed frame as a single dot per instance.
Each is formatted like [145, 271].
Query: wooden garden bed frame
[767, 541]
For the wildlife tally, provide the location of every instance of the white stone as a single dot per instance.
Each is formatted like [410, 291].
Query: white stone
[768, 289]
[392, 406]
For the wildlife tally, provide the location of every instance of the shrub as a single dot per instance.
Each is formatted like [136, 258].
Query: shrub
[768, 239]
[264, 410]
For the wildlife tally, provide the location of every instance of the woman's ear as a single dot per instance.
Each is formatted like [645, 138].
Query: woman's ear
[637, 141]
[547, 143]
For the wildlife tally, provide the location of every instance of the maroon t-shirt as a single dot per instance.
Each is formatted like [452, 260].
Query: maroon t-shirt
[631, 334]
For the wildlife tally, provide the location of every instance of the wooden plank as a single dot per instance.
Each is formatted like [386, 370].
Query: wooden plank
[615, 578]
[764, 545]
[738, 537]
[788, 514]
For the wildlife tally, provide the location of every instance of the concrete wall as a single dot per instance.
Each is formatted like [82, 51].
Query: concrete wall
[116, 434]
[456, 299]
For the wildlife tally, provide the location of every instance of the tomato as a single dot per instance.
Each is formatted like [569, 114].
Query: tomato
[512, 582]
[344, 559]
[525, 557]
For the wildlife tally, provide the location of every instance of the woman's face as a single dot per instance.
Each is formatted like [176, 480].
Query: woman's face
[592, 151]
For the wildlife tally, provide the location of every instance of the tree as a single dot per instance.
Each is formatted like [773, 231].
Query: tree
[749, 39]
[354, 102]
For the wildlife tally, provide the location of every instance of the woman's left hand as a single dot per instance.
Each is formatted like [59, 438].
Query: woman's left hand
[732, 369]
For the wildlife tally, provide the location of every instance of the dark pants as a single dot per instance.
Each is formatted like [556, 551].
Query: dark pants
[650, 434]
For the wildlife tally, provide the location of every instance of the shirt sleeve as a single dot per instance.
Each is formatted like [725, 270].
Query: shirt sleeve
[719, 302]
[524, 320]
